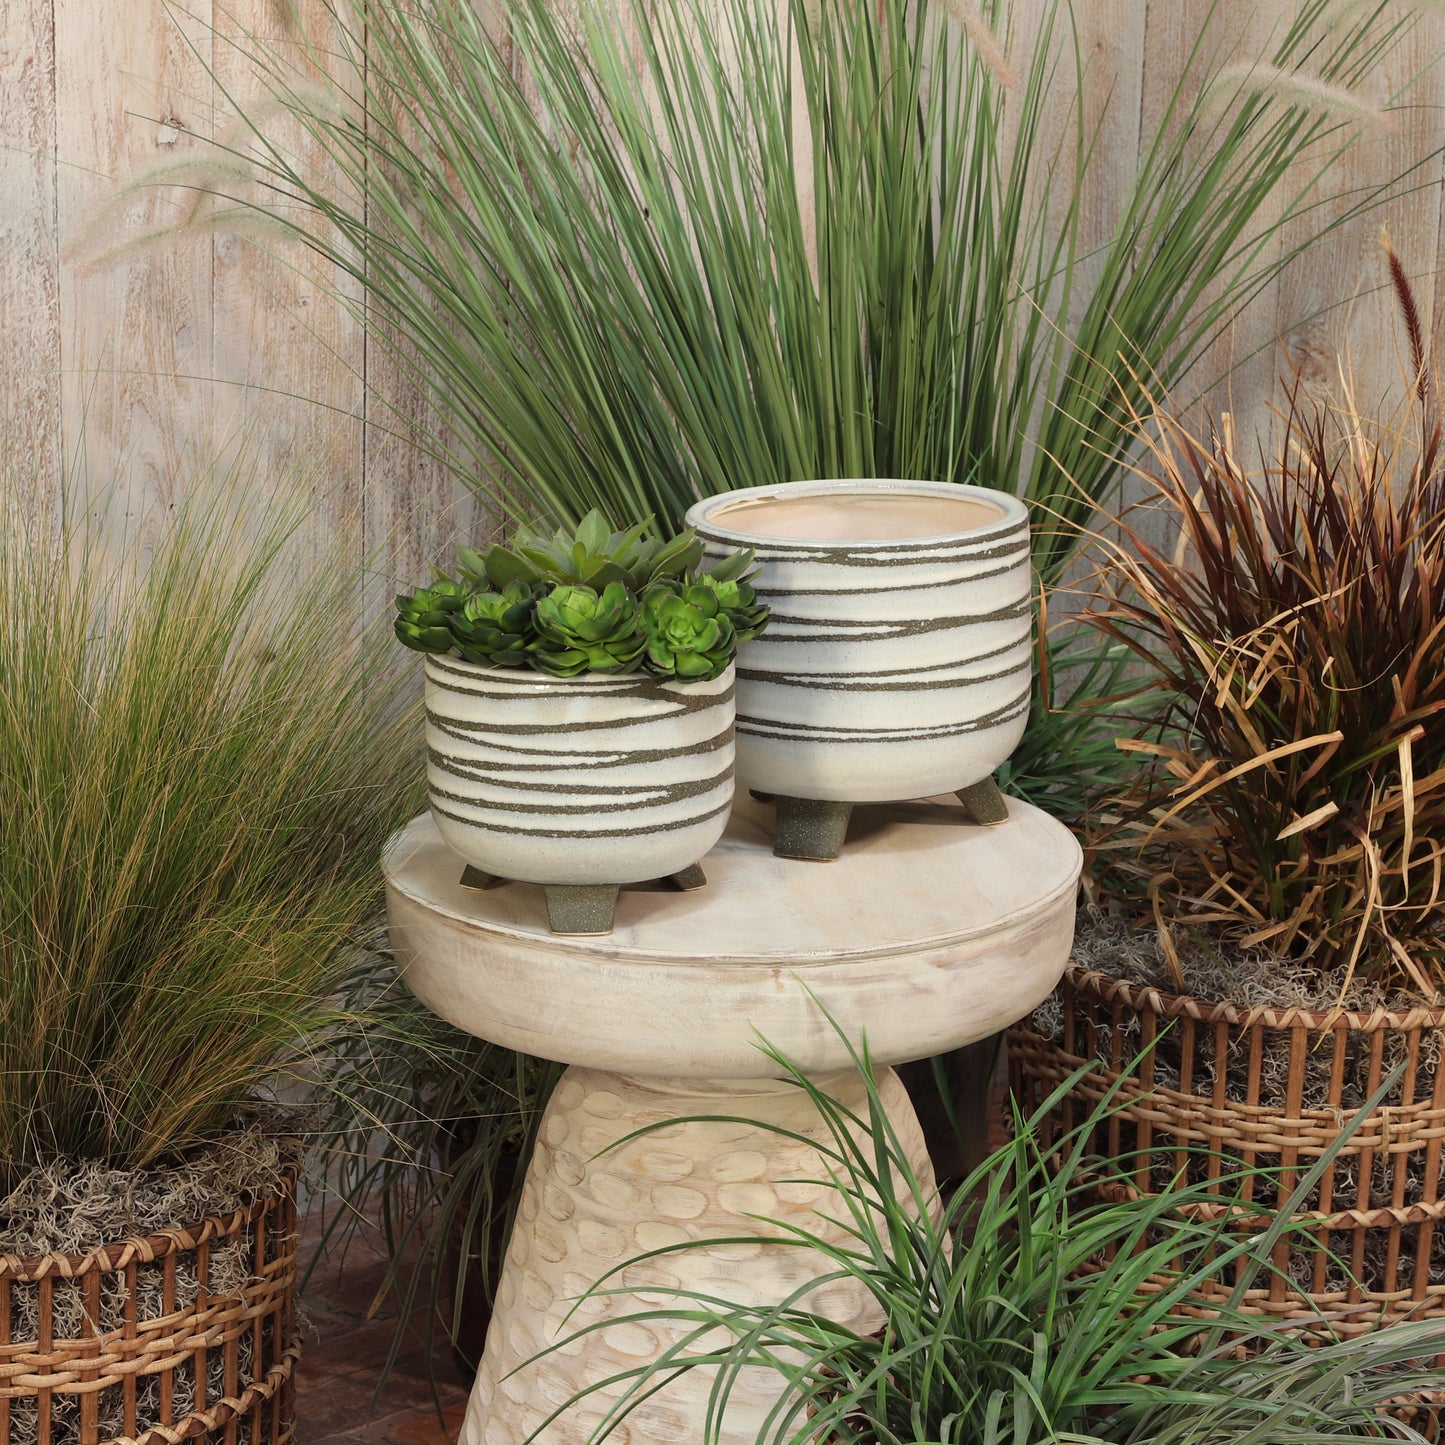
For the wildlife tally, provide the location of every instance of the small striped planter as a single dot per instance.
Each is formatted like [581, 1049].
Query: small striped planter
[896, 663]
[581, 781]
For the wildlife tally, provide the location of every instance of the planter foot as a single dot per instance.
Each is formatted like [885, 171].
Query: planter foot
[810, 829]
[686, 879]
[984, 803]
[475, 878]
[580, 908]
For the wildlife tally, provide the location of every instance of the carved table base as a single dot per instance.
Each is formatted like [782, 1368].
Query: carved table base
[584, 1212]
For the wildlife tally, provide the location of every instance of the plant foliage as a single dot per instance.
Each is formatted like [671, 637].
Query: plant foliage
[1027, 1311]
[1298, 637]
[196, 777]
[590, 601]
[429, 1132]
[639, 255]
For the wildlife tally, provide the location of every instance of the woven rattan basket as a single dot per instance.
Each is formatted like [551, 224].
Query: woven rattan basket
[1269, 1088]
[186, 1364]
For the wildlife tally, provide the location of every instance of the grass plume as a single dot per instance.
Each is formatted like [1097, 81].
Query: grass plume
[199, 760]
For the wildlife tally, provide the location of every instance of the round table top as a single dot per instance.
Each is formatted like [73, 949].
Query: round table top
[929, 932]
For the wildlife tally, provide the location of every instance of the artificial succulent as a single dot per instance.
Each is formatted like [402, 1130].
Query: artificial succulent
[422, 617]
[589, 599]
[589, 555]
[582, 630]
[496, 629]
[738, 603]
[689, 636]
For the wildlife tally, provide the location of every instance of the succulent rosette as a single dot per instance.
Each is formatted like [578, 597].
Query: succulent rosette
[589, 599]
[689, 636]
[582, 630]
[423, 616]
[739, 604]
[589, 555]
[496, 629]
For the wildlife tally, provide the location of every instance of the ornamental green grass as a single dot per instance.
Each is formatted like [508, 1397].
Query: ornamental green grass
[196, 777]
[1024, 1309]
[636, 255]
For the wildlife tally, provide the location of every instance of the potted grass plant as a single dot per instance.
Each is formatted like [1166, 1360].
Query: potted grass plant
[1272, 882]
[579, 694]
[196, 777]
[638, 255]
[1021, 1312]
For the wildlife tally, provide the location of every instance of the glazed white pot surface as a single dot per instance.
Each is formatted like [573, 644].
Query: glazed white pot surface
[583, 780]
[897, 661]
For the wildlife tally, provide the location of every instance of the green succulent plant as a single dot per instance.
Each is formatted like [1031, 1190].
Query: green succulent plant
[589, 600]
[496, 629]
[689, 635]
[423, 616]
[738, 603]
[580, 629]
[588, 555]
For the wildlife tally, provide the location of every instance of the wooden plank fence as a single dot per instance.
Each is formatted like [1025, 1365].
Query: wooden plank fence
[127, 374]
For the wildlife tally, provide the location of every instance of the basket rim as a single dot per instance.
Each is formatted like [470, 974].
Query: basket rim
[145, 1248]
[1150, 998]
[204, 1423]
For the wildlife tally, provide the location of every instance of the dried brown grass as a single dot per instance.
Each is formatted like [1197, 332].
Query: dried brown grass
[1295, 780]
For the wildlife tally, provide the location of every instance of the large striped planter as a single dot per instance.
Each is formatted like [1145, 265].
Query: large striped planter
[588, 781]
[896, 663]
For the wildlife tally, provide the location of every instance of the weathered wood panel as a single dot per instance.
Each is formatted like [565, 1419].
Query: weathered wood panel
[188, 351]
[135, 336]
[29, 251]
[289, 361]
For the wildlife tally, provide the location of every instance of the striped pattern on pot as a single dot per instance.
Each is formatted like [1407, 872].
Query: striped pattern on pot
[581, 780]
[897, 661]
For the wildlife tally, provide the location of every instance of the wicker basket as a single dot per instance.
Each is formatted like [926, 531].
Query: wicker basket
[187, 1365]
[1267, 1087]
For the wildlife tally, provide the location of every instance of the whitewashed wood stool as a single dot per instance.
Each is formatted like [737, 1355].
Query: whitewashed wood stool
[928, 933]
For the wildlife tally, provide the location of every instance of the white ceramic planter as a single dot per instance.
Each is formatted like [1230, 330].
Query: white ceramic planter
[897, 661]
[587, 782]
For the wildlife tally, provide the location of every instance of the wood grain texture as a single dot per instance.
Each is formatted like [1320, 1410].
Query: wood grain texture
[205, 345]
[29, 250]
[724, 1178]
[287, 357]
[1329, 313]
[136, 335]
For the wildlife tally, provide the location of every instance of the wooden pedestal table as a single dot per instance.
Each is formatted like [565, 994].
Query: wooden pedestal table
[929, 932]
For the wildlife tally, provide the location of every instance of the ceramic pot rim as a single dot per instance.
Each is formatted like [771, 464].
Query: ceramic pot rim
[544, 682]
[701, 513]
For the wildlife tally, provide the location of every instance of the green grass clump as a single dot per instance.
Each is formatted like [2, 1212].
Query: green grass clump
[428, 1132]
[199, 762]
[639, 254]
[1025, 1310]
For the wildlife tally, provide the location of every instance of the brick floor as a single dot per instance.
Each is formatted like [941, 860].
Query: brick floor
[346, 1345]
